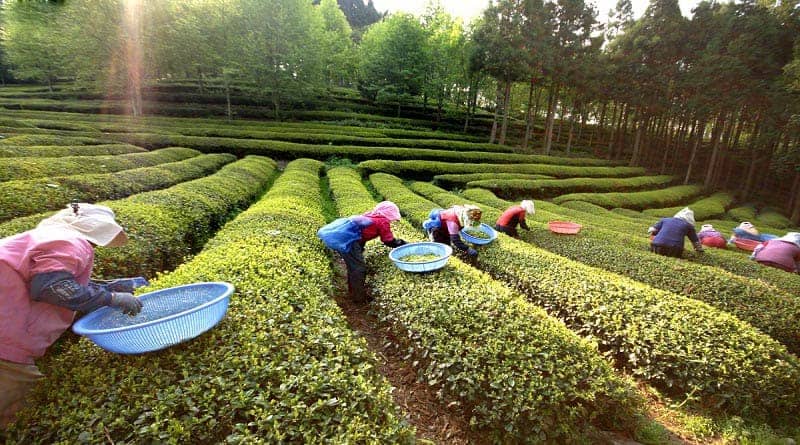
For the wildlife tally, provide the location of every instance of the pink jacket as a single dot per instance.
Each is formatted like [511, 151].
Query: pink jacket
[29, 327]
[779, 252]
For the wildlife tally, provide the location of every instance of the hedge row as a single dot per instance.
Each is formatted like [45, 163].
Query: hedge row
[636, 200]
[632, 233]
[310, 137]
[706, 208]
[772, 310]
[24, 197]
[49, 139]
[27, 168]
[461, 180]
[123, 124]
[52, 151]
[513, 369]
[681, 345]
[282, 367]
[772, 218]
[548, 188]
[743, 213]
[293, 150]
[566, 167]
[308, 134]
[167, 225]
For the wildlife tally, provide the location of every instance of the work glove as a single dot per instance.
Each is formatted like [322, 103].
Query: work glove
[698, 247]
[472, 252]
[401, 242]
[126, 302]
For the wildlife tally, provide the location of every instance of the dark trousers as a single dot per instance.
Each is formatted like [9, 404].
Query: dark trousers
[356, 273]
[510, 231]
[675, 252]
[440, 236]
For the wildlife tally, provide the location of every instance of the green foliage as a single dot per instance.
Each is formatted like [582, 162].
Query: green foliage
[507, 363]
[461, 180]
[393, 59]
[548, 188]
[706, 208]
[28, 43]
[55, 192]
[768, 308]
[292, 150]
[53, 151]
[772, 218]
[36, 167]
[743, 213]
[676, 343]
[283, 366]
[561, 168]
[636, 200]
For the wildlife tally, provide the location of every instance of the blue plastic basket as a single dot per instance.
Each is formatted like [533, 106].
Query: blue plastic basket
[483, 228]
[168, 317]
[443, 251]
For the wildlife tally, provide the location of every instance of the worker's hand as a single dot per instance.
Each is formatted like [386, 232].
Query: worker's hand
[472, 252]
[401, 242]
[127, 302]
[698, 247]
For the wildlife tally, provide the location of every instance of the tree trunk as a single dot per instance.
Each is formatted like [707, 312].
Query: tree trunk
[571, 125]
[528, 119]
[672, 133]
[497, 106]
[561, 119]
[228, 101]
[601, 125]
[681, 144]
[621, 130]
[548, 136]
[611, 133]
[635, 156]
[469, 105]
[583, 113]
[794, 200]
[700, 129]
[506, 106]
[536, 107]
[712, 163]
[751, 171]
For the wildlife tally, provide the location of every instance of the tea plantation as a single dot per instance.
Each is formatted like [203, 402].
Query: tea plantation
[546, 338]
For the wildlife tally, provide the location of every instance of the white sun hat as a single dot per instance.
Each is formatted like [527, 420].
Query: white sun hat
[94, 223]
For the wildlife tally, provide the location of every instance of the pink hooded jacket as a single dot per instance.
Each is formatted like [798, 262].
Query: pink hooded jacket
[29, 327]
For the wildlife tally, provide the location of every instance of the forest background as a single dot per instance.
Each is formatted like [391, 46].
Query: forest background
[712, 99]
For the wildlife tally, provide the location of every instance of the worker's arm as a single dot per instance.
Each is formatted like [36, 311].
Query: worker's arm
[61, 289]
[522, 223]
[387, 237]
[453, 230]
[655, 228]
[121, 284]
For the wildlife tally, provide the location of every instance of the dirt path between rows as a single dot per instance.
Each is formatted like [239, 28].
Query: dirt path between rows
[433, 421]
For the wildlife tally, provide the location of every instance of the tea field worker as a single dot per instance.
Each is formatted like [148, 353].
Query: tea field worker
[376, 223]
[44, 280]
[444, 226]
[669, 234]
[711, 237]
[507, 223]
[782, 253]
[746, 230]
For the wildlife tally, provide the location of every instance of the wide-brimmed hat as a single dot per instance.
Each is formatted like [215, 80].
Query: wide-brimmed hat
[94, 223]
